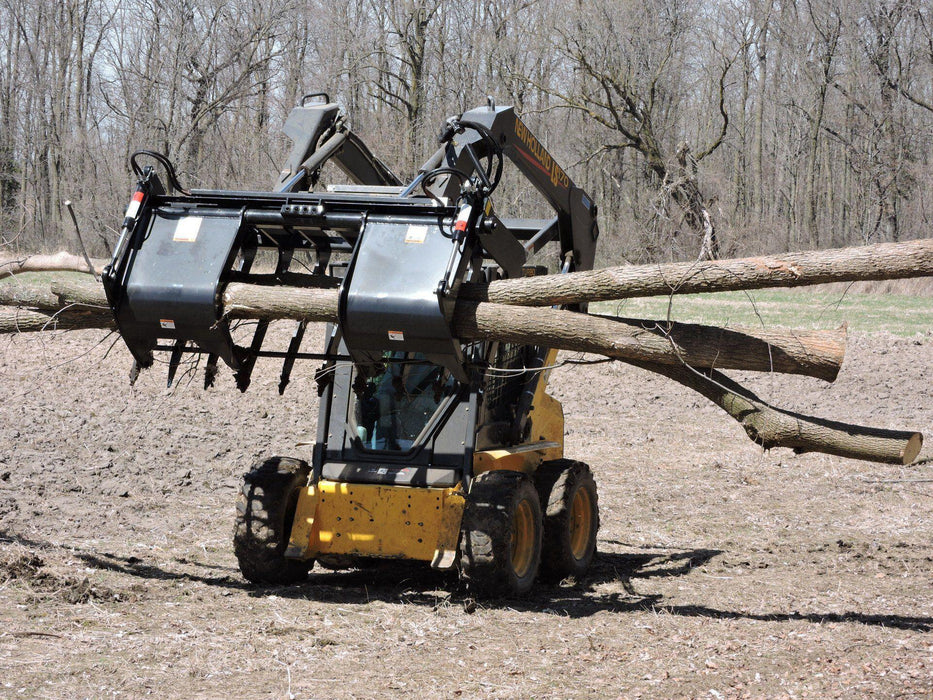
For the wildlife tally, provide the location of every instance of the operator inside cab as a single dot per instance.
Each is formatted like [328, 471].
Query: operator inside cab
[397, 404]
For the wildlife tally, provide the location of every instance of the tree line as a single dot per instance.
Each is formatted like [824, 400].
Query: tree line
[700, 128]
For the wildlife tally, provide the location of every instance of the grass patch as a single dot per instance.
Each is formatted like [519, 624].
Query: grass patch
[787, 308]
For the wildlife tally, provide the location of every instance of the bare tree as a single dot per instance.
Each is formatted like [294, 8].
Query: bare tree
[629, 62]
[760, 124]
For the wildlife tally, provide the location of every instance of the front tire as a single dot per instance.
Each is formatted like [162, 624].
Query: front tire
[500, 550]
[265, 510]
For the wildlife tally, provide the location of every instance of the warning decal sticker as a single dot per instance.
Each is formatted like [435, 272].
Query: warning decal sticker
[416, 234]
[186, 230]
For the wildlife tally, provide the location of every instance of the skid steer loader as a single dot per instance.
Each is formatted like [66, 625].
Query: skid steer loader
[428, 447]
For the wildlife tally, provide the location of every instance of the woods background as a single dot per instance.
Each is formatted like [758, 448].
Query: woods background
[794, 124]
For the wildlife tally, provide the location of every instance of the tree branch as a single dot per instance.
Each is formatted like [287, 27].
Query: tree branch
[774, 427]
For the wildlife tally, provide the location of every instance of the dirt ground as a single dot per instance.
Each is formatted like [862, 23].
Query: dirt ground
[723, 571]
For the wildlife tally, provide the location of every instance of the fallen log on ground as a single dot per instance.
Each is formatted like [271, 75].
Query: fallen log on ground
[874, 262]
[812, 353]
[773, 427]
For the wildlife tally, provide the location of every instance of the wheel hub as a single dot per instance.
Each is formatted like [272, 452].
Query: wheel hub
[581, 523]
[523, 539]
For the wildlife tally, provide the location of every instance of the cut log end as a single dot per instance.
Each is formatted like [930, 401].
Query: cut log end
[855, 441]
[912, 449]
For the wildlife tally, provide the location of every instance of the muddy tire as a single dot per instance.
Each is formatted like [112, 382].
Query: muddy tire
[571, 518]
[500, 546]
[265, 509]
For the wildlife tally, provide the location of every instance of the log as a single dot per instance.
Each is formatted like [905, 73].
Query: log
[874, 262]
[37, 296]
[774, 427]
[865, 263]
[40, 309]
[13, 320]
[766, 425]
[58, 262]
[813, 353]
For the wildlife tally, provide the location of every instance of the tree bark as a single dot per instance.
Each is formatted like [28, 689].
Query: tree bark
[13, 320]
[767, 426]
[874, 262]
[813, 353]
[773, 427]
[59, 262]
[34, 296]
[33, 307]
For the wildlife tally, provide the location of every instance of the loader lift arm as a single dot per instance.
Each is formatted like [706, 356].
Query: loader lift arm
[481, 132]
[320, 133]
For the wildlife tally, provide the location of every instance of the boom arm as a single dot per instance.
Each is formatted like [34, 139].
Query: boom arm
[320, 133]
[576, 226]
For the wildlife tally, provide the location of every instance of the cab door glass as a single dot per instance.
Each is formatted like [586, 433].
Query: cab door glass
[397, 404]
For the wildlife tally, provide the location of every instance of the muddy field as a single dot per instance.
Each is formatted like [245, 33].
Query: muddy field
[723, 571]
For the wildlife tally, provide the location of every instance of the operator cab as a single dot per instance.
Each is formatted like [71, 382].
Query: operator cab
[393, 410]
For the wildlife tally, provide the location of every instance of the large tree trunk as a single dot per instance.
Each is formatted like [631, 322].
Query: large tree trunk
[874, 262]
[58, 262]
[812, 353]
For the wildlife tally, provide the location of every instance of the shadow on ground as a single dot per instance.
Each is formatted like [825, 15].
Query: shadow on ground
[417, 584]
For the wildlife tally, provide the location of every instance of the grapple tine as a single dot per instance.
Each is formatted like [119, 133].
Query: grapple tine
[290, 356]
[210, 371]
[174, 361]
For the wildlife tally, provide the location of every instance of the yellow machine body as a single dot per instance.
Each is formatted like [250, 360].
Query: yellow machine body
[376, 520]
[545, 441]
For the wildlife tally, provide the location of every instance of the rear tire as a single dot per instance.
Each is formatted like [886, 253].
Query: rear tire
[265, 510]
[500, 546]
[571, 518]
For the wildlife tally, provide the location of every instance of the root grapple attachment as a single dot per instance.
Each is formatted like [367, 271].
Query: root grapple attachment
[407, 249]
